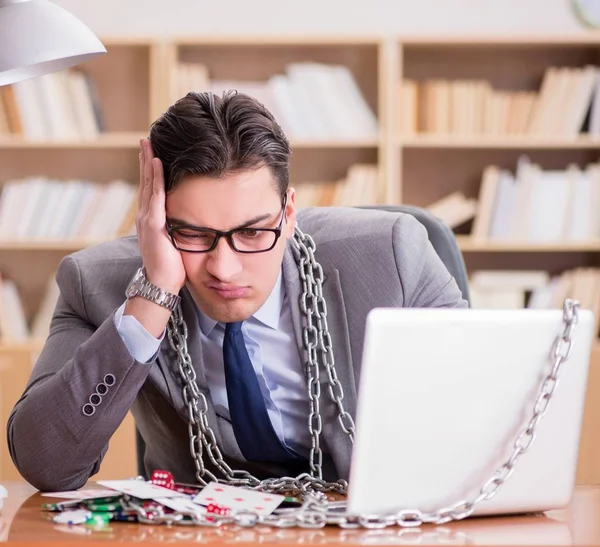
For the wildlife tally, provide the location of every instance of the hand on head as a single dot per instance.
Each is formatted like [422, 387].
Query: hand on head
[163, 262]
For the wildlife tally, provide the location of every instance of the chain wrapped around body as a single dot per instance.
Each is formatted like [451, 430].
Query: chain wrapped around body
[322, 502]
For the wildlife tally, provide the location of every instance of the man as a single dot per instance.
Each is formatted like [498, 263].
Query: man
[269, 327]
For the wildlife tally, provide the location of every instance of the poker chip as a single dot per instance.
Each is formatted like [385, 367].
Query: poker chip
[104, 506]
[99, 519]
[78, 516]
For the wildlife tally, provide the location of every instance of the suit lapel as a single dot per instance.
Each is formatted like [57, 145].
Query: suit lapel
[293, 289]
[336, 440]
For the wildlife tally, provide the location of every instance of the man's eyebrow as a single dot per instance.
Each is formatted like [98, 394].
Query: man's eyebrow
[183, 224]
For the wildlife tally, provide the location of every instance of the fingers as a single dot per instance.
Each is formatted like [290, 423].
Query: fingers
[148, 155]
[146, 176]
[157, 203]
[158, 181]
[151, 194]
[141, 182]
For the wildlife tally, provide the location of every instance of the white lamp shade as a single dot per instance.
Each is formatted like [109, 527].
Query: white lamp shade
[38, 37]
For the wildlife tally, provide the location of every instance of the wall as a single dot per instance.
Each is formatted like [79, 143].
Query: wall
[172, 17]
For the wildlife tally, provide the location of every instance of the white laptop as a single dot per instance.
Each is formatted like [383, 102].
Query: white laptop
[443, 396]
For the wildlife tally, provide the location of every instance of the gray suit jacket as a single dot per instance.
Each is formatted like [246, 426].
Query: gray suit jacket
[369, 258]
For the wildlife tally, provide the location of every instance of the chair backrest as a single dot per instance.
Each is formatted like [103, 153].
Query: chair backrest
[442, 239]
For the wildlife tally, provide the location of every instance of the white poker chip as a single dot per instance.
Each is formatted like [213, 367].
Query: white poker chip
[78, 516]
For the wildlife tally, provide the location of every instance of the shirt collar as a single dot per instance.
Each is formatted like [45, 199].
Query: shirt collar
[268, 313]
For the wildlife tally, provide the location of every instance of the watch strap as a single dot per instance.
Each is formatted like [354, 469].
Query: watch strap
[144, 288]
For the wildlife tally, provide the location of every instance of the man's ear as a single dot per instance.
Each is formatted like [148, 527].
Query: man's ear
[290, 213]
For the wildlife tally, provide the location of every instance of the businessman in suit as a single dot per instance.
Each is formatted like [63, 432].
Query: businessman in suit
[217, 262]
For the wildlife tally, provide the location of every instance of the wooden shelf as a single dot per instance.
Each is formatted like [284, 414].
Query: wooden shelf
[25, 347]
[467, 244]
[107, 140]
[276, 40]
[66, 246]
[515, 142]
[550, 40]
[335, 144]
[131, 140]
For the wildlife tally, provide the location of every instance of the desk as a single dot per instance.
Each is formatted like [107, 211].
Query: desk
[23, 520]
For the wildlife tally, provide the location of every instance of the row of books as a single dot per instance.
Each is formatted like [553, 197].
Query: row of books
[532, 205]
[14, 326]
[58, 106]
[360, 186]
[41, 208]
[322, 101]
[536, 289]
[310, 100]
[567, 104]
[46, 209]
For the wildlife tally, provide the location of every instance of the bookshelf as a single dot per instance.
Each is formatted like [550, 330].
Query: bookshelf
[373, 137]
[463, 105]
[455, 105]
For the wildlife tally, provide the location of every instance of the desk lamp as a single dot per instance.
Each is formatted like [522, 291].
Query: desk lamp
[38, 37]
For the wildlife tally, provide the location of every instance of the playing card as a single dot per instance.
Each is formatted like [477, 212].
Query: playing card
[82, 494]
[183, 505]
[141, 489]
[238, 499]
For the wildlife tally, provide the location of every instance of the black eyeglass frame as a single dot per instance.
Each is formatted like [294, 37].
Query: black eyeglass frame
[229, 235]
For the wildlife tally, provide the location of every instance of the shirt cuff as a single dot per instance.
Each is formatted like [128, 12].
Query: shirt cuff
[140, 343]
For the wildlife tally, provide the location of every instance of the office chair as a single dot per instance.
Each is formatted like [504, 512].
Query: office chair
[443, 241]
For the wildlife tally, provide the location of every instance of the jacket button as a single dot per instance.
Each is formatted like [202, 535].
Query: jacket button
[88, 409]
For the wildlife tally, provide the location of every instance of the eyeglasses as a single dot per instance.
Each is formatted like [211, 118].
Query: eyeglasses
[191, 239]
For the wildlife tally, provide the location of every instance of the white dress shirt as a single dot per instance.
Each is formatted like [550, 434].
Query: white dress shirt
[271, 344]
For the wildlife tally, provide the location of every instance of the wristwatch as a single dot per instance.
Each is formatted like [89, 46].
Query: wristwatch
[140, 286]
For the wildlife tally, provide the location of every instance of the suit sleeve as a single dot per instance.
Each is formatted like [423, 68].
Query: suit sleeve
[425, 280]
[80, 390]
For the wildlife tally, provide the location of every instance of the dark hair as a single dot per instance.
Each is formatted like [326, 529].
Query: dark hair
[204, 134]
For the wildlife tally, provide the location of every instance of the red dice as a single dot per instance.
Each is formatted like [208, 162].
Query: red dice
[217, 509]
[163, 478]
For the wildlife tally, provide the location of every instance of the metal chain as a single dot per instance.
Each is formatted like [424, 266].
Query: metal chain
[318, 346]
[317, 511]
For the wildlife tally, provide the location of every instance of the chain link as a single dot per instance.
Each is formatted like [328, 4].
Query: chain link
[317, 511]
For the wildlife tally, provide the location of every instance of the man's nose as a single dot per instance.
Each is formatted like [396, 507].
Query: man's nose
[223, 262]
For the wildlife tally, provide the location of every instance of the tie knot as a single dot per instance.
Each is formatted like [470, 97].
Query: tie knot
[233, 328]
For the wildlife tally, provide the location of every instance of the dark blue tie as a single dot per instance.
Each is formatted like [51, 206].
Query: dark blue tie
[249, 417]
